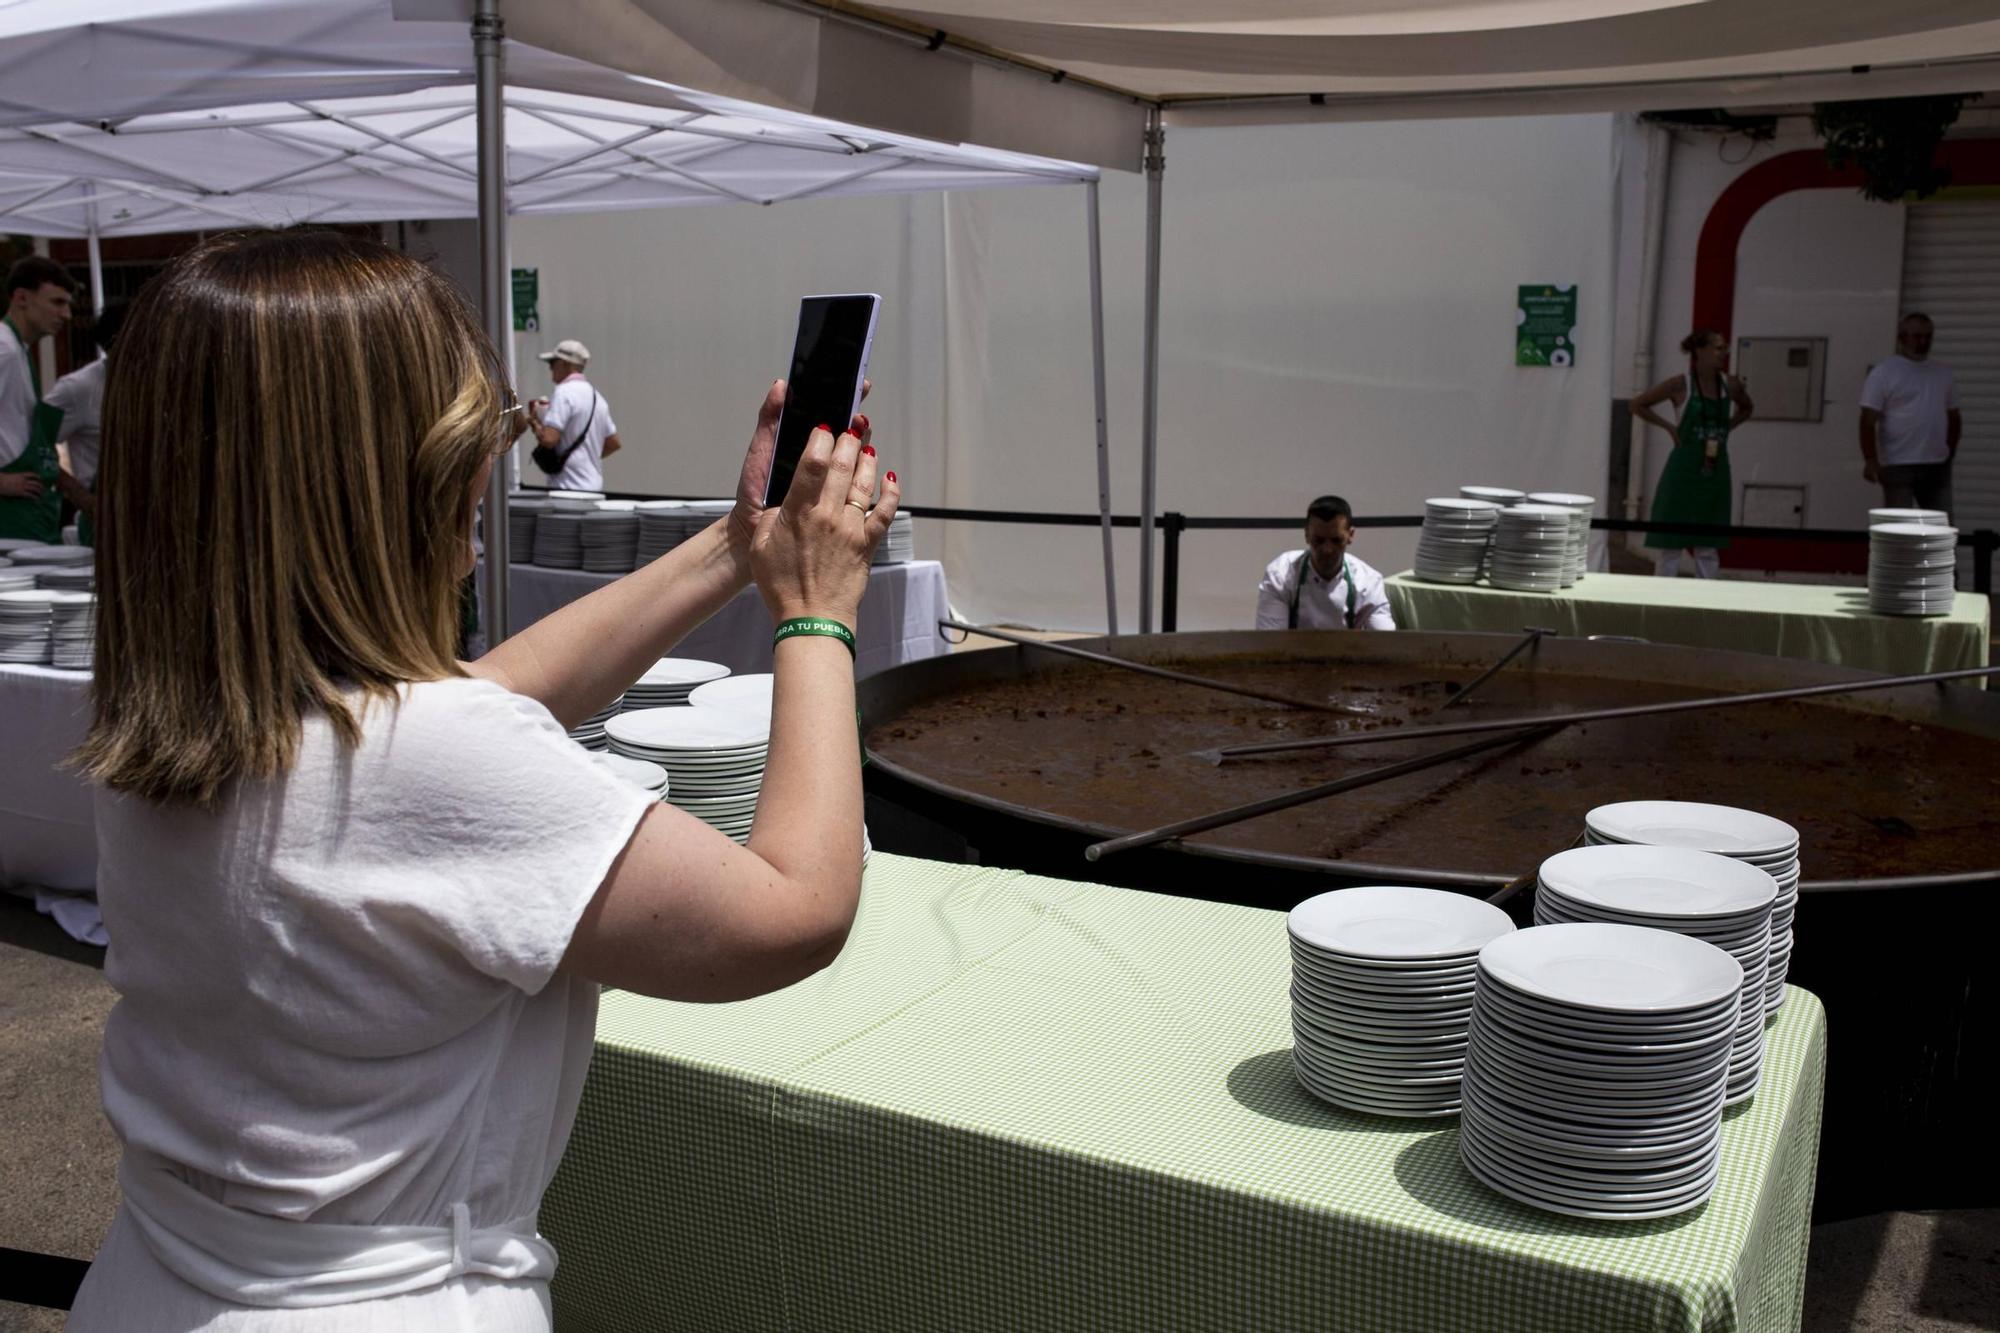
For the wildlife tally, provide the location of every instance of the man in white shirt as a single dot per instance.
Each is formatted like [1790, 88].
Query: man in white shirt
[1323, 586]
[79, 395]
[1910, 424]
[574, 421]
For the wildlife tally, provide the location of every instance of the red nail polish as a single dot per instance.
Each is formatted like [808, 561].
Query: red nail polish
[868, 449]
[860, 423]
[892, 476]
[823, 426]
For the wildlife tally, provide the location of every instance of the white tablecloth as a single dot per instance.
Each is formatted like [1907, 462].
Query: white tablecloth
[48, 831]
[899, 616]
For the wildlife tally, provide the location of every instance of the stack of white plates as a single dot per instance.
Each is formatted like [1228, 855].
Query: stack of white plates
[1455, 539]
[559, 539]
[646, 776]
[1382, 984]
[1770, 844]
[610, 541]
[589, 733]
[1581, 507]
[575, 502]
[1716, 899]
[521, 516]
[744, 693]
[66, 578]
[714, 758]
[899, 543]
[668, 682]
[1531, 548]
[751, 694]
[1500, 495]
[663, 525]
[72, 630]
[52, 555]
[1597, 1067]
[24, 625]
[1934, 517]
[9, 545]
[17, 580]
[1912, 569]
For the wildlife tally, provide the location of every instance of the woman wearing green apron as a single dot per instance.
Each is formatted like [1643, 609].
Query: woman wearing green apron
[38, 305]
[1694, 485]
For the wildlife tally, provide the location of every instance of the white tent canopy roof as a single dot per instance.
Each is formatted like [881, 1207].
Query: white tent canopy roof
[414, 155]
[1220, 61]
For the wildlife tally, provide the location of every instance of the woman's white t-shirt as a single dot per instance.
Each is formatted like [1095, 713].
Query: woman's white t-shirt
[338, 995]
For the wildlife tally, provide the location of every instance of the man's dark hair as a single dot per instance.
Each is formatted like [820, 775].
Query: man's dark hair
[104, 328]
[1329, 507]
[34, 272]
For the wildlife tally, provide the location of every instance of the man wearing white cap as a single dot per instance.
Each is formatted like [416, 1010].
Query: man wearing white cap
[573, 425]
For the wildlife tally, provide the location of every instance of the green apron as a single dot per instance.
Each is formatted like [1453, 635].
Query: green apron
[1686, 494]
[39, 519]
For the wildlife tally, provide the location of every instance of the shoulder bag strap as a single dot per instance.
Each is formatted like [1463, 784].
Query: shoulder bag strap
[562, 459]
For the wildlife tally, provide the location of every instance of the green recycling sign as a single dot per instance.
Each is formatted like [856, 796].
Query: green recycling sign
[1545, 325]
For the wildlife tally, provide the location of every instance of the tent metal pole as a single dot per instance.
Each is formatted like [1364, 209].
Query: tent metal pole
[488, 34]
[93, 248]
[1097, 382]
[1149, 434]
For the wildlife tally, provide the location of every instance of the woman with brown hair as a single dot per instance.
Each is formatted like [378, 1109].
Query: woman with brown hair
[361, 895]
[1694, 485]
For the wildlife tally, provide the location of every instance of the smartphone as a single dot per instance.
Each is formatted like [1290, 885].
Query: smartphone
[829, 359]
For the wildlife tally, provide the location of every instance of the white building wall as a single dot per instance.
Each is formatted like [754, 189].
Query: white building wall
[1337, 315]
[1812, 263]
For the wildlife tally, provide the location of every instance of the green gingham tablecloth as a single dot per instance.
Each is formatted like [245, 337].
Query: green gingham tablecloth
[1817, 622]
[1021, 1103]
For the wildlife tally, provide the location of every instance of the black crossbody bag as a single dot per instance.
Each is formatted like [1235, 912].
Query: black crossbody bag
[551, 462]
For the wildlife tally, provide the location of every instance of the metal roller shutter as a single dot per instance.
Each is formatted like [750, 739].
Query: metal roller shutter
[1951, 272]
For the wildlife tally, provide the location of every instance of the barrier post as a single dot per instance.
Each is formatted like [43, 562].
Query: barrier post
[1173, 525]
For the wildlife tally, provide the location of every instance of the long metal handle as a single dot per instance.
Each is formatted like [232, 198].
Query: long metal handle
[1599, 714]
[1534, 632]
[1238, 813]
[1182, 677]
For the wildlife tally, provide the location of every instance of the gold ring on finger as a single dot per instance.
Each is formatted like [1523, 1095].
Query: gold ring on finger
[855, 504]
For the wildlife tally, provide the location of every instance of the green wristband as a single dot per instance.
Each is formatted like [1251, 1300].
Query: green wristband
[832, 629]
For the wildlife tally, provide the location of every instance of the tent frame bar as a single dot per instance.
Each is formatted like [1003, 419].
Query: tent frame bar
[488, 54]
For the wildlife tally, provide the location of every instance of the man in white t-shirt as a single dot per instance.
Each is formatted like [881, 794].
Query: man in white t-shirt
[1910, 424]
[574, 420]
[1322, 586]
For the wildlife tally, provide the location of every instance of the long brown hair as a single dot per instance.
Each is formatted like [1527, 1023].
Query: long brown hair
[293, 425]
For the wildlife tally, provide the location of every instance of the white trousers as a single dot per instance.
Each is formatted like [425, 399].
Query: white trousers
[1707, 563]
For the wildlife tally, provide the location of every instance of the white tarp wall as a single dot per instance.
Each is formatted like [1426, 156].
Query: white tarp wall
[1337, 315]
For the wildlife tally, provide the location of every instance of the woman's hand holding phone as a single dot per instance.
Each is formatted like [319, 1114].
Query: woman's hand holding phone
[756, 474]
[810, 555]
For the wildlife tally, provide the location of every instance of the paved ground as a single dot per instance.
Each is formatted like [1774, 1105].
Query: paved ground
[1896, 1273]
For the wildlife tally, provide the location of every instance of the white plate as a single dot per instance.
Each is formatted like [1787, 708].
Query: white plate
[1610, 1188]
[1696, 825]
[1604, 1175]
[1584, 1036]
[1655, 881]
[1577, 1140]
[1395, 924]
[683, 671]
[638, 772]
[750, 692]
[1620, 969]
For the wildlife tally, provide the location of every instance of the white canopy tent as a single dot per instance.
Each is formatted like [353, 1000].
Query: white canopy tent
[1114, 74]
[1094, 81]
[146, 146]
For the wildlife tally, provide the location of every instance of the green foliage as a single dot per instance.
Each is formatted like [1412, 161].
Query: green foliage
[1893, 140]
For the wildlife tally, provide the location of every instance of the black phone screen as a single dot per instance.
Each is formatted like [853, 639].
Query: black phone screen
[824, 387]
